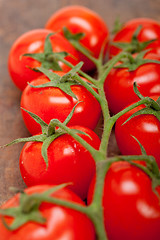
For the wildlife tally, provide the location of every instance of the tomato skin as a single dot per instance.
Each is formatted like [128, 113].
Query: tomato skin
[81, 19]
[33, 42]
[51, 102]
[146, 128]
[61, 222]
[150, 30]
[131, 209]
[68, 161]
[119, 84]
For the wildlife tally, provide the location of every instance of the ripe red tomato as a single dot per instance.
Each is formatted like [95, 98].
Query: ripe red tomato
[119, 84]
[81, 19]
[146, 128]
[61, 223]
[51, 102]
[33, 42]
[131, 208]
[150, 30]
[68, 161]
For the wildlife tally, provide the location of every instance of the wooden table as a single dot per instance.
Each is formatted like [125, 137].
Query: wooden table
[17, 17]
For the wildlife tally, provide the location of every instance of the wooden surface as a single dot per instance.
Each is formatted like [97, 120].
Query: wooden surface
[17, 17]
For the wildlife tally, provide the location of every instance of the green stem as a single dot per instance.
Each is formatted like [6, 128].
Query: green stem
[127, 109]
[110, 65]
[89, 88]
[96, 208]
[91, 149]
[108, 125]
[83, 50]
[60, 202]
[108, 122]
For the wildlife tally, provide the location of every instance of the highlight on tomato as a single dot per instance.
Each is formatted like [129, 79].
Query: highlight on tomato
[79, 19]
[131, 207]
[33, 49]
[38, 219]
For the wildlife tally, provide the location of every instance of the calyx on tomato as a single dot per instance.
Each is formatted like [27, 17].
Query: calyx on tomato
[28, 209]
[135, 46]
[133, 62]
[49, 132]
[74, 39]
[71, 36]
[48, 58]
[152, 106]
[63, 82]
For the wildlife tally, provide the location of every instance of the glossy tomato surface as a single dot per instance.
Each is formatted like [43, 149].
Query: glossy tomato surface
[68, 161]
[119, 83]
[51, 102]
[131, 209]
[81, 19]
[150, 30]
[61, 223]
[146, 128]
[33, 42]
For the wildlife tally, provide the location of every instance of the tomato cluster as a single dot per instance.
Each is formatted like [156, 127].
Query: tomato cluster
[61, 105]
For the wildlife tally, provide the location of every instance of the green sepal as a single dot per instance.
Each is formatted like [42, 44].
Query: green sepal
[35, 138]
[48, 59]
[74, 39]
[28, 209]
[144, 111]
[135, 46]
[71, 36]
[150, 102]
[64, 83]
[132, 63]
[44, 125]
[49, 132]
[81, 132]
[46, 144]
[117, 26]
[152, 107]
[155, 184]
[47, 44]
[69, 117]
[143, 151]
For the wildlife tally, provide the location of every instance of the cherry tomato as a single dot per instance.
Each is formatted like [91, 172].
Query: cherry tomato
[61, 223]
[81, 19]
[68, 161]
[146, 129]
[33, 42]
[131, 208]
[119, 83]
[51, 102]
[150, 30]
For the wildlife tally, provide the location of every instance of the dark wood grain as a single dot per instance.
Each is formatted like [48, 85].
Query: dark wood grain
[19, 16]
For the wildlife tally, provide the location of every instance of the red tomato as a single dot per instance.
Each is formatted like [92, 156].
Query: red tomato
[131, 209]
[146, 128]
[33, 42]
[150, 30]
[61, 223]
[119, 84]
[51, 102]
[81, 19]
[68, 161]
